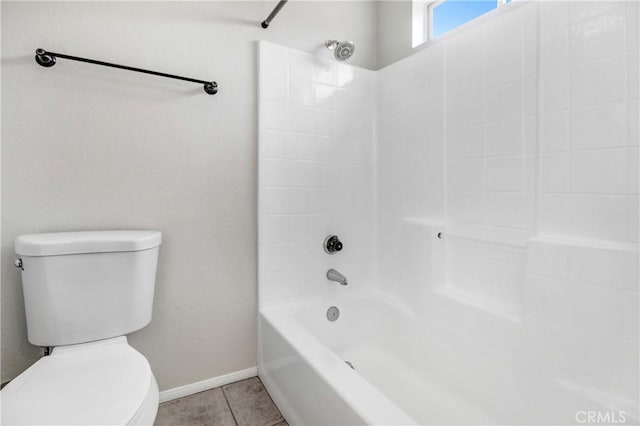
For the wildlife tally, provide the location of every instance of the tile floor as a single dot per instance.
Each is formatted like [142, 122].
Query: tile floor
[244, 403]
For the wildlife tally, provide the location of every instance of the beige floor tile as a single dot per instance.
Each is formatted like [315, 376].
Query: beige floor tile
[251, 404]
[207, 408]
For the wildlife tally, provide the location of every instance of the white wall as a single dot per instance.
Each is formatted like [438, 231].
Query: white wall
[528, 120]
[86, 147]
[585, 287]
[394, 31]
[316, 167]
[490, 127]
[410, 172]
[589, 116]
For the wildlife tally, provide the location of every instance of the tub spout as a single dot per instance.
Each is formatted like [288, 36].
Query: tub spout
[333, 275]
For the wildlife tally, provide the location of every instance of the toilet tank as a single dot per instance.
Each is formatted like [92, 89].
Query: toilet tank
[85, 286]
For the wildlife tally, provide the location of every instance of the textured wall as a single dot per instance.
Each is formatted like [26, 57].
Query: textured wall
[87, 147]
[394, 31]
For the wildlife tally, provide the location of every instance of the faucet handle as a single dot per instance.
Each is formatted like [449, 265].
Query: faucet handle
[332, 244]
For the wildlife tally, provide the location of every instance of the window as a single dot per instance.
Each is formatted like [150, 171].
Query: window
[431, 19]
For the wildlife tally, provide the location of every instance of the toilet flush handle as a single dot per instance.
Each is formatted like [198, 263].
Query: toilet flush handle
[18, 264]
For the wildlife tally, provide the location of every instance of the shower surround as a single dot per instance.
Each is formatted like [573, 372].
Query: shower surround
[486, 192]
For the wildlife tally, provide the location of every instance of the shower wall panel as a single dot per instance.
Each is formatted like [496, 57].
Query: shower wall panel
[524, 156]
[316, 152]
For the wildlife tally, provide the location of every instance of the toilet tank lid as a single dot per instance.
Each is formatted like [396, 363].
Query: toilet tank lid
[59, 243]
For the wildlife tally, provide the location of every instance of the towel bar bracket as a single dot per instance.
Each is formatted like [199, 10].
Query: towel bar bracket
[45, 59]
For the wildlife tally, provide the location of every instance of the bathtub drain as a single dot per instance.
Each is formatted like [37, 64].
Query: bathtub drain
[333, 313]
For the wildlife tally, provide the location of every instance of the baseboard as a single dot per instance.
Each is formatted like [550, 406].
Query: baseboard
[203, 385]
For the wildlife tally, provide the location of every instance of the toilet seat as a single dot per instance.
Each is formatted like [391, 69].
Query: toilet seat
[104, 382]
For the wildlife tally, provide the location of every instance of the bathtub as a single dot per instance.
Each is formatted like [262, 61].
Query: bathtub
[302, 364]
[411, 370]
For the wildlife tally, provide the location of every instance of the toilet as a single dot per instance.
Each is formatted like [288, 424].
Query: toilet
[83, 293]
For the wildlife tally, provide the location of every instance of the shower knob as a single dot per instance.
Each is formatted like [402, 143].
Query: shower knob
[332, 244]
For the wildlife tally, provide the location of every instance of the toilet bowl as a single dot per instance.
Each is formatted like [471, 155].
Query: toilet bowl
[83, 293]
[99, 383]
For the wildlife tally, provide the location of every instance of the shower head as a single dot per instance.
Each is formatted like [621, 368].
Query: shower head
[342, 50]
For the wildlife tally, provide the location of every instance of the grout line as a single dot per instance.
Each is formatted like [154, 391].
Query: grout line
[581, 283]
[226, 398]
[282, 419]
[224, 394]
[516, 156]
[445, 158]
[570, 109]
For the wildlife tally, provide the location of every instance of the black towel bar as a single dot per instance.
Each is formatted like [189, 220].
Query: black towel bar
[48, 59]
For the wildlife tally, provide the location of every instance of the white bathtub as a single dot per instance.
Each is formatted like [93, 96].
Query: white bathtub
[409, 370]
[302, 363]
